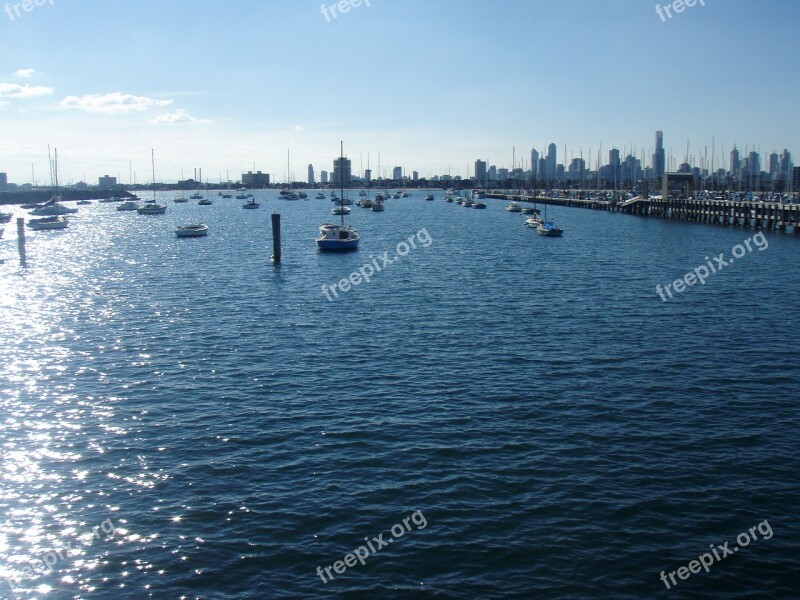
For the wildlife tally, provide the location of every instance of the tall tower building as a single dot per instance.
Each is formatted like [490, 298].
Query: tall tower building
[551, 160]
[397, 173]
[323, 177]
[659, 158]
[734, 161]
[480, 171]
[311, 180]
[534, 162]
[341, 171]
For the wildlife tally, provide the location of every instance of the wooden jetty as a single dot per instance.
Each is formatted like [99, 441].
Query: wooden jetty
[769, 216]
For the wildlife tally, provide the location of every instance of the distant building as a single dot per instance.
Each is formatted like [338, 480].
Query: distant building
[414, 176]
[368, 175]
[503, 174]
[311, 180]
[734, 161]
[493, 173]
[397, 173]
[480, 171]
[551, 160]
[255, 180]
[341, 171]
[187, 184]
[3, 181]
[534, 162]
[796, 179]
[659, 158]
[106, 182]
[323, 177]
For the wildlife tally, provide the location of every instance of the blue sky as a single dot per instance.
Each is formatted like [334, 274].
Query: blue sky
[429, 84]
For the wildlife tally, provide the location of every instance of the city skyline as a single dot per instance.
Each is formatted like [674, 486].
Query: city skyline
[238, 102]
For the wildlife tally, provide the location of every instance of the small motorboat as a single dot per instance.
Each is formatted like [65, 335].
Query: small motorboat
[342, 210]
[84, 202]
[129, 205]
[198, 230]
[180, 199]
[513, 207]
[205, 202]
[152, 208]
[320, 196]
[429, 198]
[478, 205]
[251, 205]
[533, 222]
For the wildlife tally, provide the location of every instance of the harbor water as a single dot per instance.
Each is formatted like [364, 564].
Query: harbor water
[180, 418]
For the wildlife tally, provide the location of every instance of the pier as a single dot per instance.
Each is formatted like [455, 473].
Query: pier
[769, 216]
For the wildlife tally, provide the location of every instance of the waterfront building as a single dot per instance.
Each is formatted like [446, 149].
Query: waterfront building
[105, 182]
[3, 181]
[414, 176]
[368, 175]
[311, 180]
[397, 173]
[734, 170]
[323, 177]
[534, 162]
[255, 180]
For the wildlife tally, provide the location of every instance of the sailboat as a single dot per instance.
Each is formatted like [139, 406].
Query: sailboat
[151, 207]
[206, 201]
[53, 220]
[53, 207]
[227, 193]
[547, 228]
[338, 238]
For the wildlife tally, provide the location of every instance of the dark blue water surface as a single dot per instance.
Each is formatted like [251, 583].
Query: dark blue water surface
[181, 419]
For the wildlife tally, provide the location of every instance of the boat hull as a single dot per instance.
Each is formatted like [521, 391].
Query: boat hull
[337, 245]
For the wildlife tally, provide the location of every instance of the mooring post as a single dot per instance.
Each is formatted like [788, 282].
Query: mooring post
[276, 238]
[21, 239]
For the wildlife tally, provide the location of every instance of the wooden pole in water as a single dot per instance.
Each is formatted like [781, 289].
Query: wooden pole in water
[21, 240]
[276, 238]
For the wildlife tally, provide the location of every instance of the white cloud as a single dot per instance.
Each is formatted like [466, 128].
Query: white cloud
[15, 90]
[4, 103]
[298, 128]
[26, 73]
[179, 116]
[115, 102]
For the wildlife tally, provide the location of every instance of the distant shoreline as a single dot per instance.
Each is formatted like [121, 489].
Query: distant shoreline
[29, 196]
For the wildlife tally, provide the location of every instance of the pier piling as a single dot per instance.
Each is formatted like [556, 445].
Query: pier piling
[276, 238]
[21, 240]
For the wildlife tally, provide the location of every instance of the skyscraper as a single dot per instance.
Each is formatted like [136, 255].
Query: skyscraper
[397, 173]
[734, 161]
[311, 180]
[480, 171]
[659, 158]
[551, 161]
[323, 177]
[534, 162]
[341, 171]
[368, 175]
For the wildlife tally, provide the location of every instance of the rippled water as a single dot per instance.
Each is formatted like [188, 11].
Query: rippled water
[180, 418]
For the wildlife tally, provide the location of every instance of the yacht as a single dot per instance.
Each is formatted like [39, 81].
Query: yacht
[513, 207]
[365, 203]
[547, 229]
[129, 205]
[48, 223]
[251, 204]
[53, 207]
[340, 210]
[151, 207]
[478, 205]
[180, 199]
[205, 202]
[338, 238]
[533, 222]
[198, 230]
[196, 196]
[242, 196]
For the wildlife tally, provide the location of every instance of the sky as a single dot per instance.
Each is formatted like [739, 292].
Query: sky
[430, 85]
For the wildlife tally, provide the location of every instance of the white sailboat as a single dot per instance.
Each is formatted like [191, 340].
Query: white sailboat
[338, 238]
[53, 207]
[151, 207]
